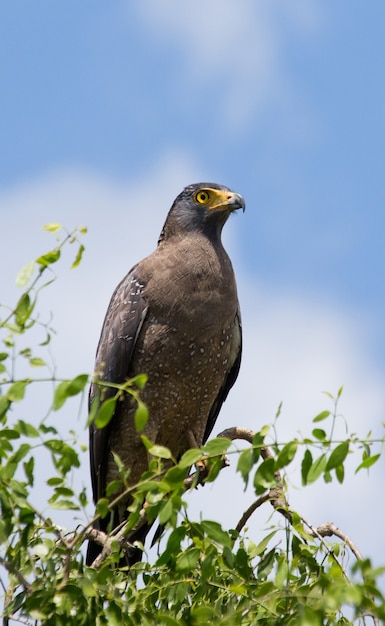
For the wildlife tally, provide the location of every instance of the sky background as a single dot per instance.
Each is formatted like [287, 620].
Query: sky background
[109, 109]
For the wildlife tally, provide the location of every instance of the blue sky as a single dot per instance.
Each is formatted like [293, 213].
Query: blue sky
[109, 109]
[284, 103]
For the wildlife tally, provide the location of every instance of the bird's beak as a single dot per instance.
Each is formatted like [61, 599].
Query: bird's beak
[236, 202]
[227, 201]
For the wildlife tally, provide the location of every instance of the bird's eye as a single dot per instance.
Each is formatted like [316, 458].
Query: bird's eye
[202, 196]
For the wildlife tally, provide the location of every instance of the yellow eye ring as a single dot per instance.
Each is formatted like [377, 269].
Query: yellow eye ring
[202, 196]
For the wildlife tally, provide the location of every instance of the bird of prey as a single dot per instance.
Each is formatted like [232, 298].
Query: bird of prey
[175, 317]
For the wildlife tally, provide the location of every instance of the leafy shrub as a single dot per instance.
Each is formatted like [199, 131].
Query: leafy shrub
[205, 573]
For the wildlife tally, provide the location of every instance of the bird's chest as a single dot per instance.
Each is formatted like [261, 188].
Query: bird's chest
[191, 317]
[195, 290]
[185, 372]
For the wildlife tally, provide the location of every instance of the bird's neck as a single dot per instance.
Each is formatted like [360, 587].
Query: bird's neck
[211, 231]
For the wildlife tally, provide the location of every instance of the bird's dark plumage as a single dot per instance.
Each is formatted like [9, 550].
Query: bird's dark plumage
[175, 317]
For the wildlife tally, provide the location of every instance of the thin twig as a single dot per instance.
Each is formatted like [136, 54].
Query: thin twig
[328, 530]
[249, 512]
[18, 575]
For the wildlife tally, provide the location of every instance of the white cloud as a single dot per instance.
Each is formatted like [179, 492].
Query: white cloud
[233, 51]
[295, 348]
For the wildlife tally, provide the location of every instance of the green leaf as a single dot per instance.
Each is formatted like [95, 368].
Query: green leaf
[327, 476]
[26, 429]
[160, 451]
[310, 616]
[64, 457]
[175, 476]
[105, 412]
[62, 491]
[47, 429]
[77, 384]
[139, 381]
[64, 505]
[4, 406]
[202, 614]
[317, 468]
[36, 362]
[60, 395]
[24, 275]
[214, 465]
[49, 258]
[306, 464]
[281, 577]
[88, 588]
[166, 620]
[52, 227]
[141, 416]
[23, 309]
[146, 442]
[319, 434]
[9, 433]
[264, 476]
[78, 257]
[68, 388]
[118, 462]
[261, 435]
[368, 462]
[266, 564]
[190, 457]
[40, 549]
[20, 453]
[245, 463]
[287, 454]
[216, 446]
[46, 340]
[28, 468]
[113, 487]
[321, 416]
[340, 473]
[16, 391]
[216, 533]
[175, 539]
[261, 547]
[338, 455]
[56, 480]
[188, 560]
[102, 507]
[166, 512]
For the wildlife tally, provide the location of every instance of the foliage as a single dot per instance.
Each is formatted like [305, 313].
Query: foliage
[205, 573]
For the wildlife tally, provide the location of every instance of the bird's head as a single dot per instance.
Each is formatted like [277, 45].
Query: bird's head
[201, 207]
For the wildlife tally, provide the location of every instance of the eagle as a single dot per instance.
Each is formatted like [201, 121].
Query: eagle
[175, 317]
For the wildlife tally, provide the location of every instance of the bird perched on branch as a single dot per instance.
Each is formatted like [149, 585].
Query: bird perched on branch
[175, 317]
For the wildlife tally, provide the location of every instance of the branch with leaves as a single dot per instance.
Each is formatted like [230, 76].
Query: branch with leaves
[203, 573]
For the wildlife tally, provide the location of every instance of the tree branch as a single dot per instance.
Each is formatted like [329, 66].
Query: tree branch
[278, 500]
[277, 497]
[248, 513]
[328, 530]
